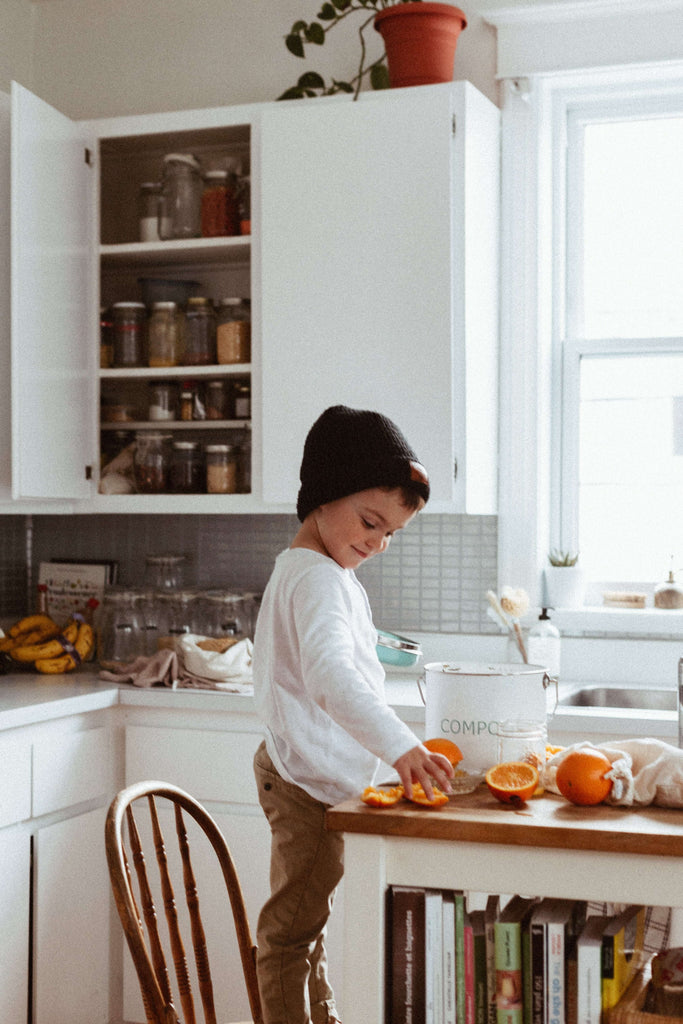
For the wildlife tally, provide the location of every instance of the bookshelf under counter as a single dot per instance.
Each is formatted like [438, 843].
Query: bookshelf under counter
[546, 848]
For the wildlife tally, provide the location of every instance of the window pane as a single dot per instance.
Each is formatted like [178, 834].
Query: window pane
[631, 466]
[633, 226]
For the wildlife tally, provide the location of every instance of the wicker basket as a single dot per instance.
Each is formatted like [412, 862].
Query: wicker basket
[631, 1007]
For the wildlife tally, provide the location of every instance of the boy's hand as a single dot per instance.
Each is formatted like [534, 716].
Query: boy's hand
[420, 765]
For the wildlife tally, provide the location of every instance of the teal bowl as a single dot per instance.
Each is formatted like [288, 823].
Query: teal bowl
[393, 649]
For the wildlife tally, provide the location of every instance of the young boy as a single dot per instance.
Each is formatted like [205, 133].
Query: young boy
[319, 691]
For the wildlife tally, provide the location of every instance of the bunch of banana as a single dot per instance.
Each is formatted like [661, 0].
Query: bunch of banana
[78, 650]
[29, 631]
[47, 648]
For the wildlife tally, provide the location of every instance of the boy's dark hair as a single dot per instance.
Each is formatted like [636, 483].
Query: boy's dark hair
[350, 450]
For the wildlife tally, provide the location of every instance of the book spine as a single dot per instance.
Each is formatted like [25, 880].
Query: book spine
[508, 950]
[588, 974]
[460, 957]
[468, 947]
[555, 986]
[433, 958]
[480, 984]
[449, 958]
[491, 916]
[408, 946]
[537, 972]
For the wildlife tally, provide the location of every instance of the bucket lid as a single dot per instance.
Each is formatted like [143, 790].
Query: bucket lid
[465, 668]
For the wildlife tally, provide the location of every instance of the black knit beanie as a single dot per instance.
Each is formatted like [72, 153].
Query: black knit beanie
[351, 450]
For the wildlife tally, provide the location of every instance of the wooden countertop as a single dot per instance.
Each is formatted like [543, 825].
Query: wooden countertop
[547, 821]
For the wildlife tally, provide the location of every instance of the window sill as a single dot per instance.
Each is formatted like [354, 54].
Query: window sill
[632, 623]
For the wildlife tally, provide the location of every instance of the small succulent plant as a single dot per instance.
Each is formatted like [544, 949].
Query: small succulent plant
[564, 558]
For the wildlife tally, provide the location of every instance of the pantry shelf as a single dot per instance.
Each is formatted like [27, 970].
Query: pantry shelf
[180, 372]
[176, 425]
[229, 249]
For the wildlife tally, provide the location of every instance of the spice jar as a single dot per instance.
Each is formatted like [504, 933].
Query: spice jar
[180, 213]
[244, 203]
[148, 211]
[200, 332]
[150, 462]
[233, 335]
[162, 401]
[164, 335]
[186, 474]
[220, 215]
[241, 392]
[186, 402]
[129, 333]
[221, 469]
[216, 400]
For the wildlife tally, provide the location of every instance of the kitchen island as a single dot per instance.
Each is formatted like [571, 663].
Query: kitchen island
[546, 848]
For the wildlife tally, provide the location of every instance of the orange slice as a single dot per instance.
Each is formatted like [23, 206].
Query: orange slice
[513, 782]
[449, 749]
[374, 797]
[418, 796]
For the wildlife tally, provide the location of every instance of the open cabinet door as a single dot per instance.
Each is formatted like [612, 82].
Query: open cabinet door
[53, 369]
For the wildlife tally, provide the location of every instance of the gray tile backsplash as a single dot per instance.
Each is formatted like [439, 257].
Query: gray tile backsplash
[433, 578]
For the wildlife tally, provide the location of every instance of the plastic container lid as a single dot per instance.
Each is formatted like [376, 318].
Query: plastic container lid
[182, 158]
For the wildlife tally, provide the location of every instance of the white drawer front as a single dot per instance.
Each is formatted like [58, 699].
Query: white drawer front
[209, 765]
[69, 769]
[15, 780]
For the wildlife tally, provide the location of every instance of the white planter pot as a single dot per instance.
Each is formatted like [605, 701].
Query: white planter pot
[564, 586]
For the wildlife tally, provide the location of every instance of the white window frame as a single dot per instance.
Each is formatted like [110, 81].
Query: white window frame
[538, 458]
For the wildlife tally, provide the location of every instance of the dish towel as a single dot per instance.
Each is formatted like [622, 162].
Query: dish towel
[229, 671]
[644, 771]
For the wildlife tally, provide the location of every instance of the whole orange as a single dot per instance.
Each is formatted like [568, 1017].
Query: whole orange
[512, 782]
[581, 776]
[449, 749]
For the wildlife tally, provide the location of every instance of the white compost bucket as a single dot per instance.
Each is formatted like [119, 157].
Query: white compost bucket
[467, 702]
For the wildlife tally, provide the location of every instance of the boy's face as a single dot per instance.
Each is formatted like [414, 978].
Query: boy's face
[355, 528]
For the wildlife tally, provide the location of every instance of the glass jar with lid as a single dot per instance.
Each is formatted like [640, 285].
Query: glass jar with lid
[165, 572]
[181, 197]
[121, 634]
[186, 473]
[244, 203]
[150, 462]
[163, 400]
[233, 334]
[164, 333]
[221, 469]
[216, 400]
[219, 204]
[223, 614]
[200, 332]
[241, 394]
[128, 320]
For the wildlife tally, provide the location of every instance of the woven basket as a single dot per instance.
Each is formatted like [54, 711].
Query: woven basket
[630, 1008]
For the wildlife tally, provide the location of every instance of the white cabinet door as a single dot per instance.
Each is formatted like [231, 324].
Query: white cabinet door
[15, 857]
[363, 276]
[71, 922]
[53, 370]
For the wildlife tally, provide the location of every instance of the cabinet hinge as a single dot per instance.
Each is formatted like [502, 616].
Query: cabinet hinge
[87, 155]
[455, 469]
[453, 124]
[88, 472]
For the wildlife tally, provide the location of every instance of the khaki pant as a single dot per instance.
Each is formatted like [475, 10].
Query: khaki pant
[306, 865]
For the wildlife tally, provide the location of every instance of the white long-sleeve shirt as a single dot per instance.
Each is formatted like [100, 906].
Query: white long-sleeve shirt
[318, 684]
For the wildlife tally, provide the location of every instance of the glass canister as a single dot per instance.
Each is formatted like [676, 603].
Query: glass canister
[523, 740]
[233, 334]
[220, 214]
[181, 197]
[148, 211]
[128, 319]
[200, 332]
[216, 400]
[121, 631]
[106, 339]
[186, 473]
[223, 614]
[221, 469]
[164, 332]
[241, 396]
[150, 462]
[244, 202]
[165, 572]
[163, 400]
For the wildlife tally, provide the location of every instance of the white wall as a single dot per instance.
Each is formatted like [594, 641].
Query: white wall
[98, 58]
[16, 32]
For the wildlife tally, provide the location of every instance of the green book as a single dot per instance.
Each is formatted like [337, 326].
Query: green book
[508, 958]
[477, 918]
[460, 957]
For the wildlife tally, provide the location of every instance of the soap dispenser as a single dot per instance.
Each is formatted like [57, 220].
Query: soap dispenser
[544, 645]
[670, 593]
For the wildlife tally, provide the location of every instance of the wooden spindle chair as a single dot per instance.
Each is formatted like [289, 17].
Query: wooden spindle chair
[143, 932]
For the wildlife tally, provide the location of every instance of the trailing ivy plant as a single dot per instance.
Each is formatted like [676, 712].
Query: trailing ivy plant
[331, 14]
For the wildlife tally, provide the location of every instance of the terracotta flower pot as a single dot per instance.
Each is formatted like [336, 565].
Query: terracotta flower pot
[420, 41]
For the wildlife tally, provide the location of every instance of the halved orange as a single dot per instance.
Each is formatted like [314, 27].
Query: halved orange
[513, 782]
[449, 749]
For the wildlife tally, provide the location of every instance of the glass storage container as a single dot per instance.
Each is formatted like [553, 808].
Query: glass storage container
[165, 572]
[241, 393]
[180, 210]
[221, 469]
[148, 211]
[200, 332]
[121, 631]
[163, 401]
[222, 613]
[150, 462]
[220, 213]
[233, 334]
[128, 320]
[164, 335]
[186, 474]
[216, 400]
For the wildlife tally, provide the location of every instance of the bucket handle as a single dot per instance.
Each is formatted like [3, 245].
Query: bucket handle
[420, 680]
[547, 680]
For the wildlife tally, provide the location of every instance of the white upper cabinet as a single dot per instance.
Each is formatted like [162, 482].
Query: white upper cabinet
[53, 185]
[379, 279]
[371, 269]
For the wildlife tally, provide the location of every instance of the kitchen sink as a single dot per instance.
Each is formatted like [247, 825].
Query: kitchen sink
[621, 697]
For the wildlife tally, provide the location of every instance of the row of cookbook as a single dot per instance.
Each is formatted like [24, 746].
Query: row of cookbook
[518, 961]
